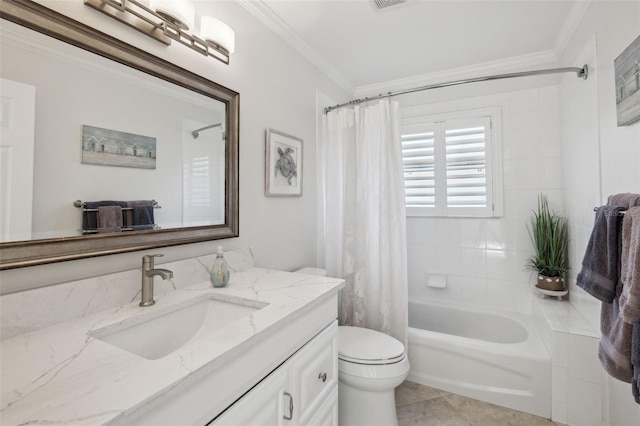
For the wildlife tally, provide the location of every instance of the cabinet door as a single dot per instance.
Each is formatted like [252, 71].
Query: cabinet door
[261, 406]
[314, 373]
[327, 414]
[302, 391]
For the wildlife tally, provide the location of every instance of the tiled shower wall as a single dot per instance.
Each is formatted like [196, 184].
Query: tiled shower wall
[600, 158]
[483, 259]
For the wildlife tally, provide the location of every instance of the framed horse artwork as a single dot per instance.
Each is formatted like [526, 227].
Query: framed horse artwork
[283, 166]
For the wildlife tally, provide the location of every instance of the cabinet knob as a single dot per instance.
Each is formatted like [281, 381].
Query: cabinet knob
[322, 376]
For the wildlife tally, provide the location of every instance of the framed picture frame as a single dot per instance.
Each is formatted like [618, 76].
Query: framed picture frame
[283, 165]
[105, 147]
[627, 74]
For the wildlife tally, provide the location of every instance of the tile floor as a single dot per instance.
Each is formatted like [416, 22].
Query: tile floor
[419, 405]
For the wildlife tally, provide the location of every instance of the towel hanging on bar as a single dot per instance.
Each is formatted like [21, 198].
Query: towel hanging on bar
[620, 213]
[134, 215]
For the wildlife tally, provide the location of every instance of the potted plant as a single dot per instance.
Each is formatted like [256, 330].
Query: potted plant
[549, 235]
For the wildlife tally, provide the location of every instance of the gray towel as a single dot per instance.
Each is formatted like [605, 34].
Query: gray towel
[90, 218]
[619, 349]
[141, 213]
[626, 199]
[630, 266]
[109, 219]
[142, 227]
[599, 274]
[614, 350]
[635, 360]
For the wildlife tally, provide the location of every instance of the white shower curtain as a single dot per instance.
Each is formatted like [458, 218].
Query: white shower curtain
[364, 215]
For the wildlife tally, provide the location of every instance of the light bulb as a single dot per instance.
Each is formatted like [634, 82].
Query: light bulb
[216, 31]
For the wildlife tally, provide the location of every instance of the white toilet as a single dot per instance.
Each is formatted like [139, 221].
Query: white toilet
[371, 365]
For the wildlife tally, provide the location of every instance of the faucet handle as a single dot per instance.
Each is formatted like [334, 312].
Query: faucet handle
[148, 258]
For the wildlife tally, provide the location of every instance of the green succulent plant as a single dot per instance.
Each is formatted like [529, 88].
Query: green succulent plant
[550, 237]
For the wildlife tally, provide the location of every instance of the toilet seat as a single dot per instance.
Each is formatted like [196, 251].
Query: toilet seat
[368, 347]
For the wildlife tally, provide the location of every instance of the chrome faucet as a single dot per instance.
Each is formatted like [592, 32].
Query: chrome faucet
[148, 272]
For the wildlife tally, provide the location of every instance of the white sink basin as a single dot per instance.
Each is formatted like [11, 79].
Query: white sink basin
[161, 332]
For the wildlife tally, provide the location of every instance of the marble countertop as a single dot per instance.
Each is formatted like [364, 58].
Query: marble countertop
[61, 375]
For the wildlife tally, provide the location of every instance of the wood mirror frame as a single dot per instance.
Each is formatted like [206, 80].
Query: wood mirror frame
[35, 252]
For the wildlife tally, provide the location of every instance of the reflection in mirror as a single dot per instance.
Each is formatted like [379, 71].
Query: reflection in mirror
[82, 89]
[85, 127]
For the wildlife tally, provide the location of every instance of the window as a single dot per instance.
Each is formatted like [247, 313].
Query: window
[452, 164]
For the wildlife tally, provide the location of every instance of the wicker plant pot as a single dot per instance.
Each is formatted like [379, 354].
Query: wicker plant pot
[550, 283]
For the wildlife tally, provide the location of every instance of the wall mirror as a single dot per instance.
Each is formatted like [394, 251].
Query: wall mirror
[102, 102]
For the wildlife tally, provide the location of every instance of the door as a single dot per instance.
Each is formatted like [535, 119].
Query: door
[17, 129]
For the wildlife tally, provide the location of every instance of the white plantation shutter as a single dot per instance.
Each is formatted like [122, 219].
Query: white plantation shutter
[418, 165]
[467, 154]
[448, 167]
[198, 175]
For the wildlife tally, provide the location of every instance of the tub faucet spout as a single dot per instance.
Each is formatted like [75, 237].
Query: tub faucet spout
[148, 272]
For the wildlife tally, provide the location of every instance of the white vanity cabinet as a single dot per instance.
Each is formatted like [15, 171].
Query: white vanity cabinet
[260, 406]
[302, 391]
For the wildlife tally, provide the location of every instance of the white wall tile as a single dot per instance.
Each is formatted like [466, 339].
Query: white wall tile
[467, 290]
[560, 349]
[473, 233]
[559, 384]
[530, 166]
[499, 234]
[524, 143]
[584, 405]
[500, 264]
[623, 409]
[446, 232]
[420, 231]
[472, 262]
[583, 359]
[524, 112]
[449, 259]
[559, 412]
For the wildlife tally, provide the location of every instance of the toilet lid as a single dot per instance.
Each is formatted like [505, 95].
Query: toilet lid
[365, 346]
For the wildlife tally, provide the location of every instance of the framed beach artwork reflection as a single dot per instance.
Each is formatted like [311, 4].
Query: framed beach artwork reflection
[283, 165]
[627, 71]
[106, 147]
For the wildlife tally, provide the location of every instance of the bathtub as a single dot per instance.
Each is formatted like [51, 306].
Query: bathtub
[497, 357]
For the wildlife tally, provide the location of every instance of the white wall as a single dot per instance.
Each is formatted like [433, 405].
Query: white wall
[277, 90]
[599, 158]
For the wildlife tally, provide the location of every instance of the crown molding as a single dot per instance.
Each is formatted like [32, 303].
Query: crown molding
[549, 57]
[570, 25]
[268, 17]
[517, 63]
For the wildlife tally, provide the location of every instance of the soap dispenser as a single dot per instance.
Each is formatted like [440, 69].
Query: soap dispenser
[220, 270]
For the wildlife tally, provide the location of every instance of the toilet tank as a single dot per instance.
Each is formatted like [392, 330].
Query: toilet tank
[312, 271]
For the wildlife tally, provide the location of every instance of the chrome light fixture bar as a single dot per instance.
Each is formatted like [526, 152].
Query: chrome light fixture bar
[159, 26]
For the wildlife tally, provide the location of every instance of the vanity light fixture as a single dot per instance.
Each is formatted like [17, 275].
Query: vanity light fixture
[216, 32]
[180, 13]
[167, 20]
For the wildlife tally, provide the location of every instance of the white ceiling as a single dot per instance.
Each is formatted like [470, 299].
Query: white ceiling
[361, 46]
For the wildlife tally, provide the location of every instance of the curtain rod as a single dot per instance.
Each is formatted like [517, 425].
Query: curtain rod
[580, 72]
[196, 132]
